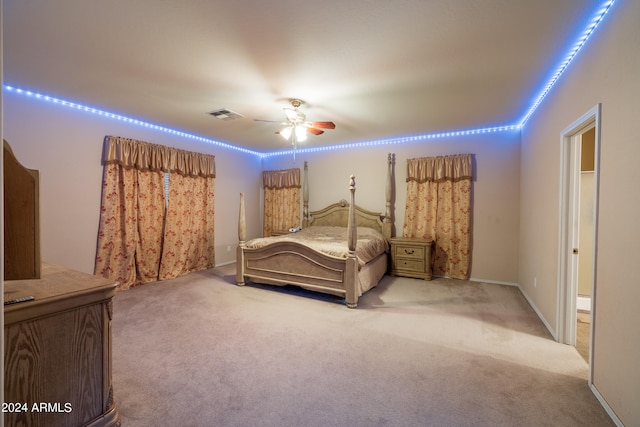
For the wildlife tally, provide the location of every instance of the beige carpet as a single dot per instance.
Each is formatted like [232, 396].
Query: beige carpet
[200, 351]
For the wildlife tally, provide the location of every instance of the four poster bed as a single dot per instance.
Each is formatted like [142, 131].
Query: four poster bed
[341, 250]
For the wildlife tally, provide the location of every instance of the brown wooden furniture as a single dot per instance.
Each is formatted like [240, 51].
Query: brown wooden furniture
[411, 257]
[21, 219]
[283, 263]
[57, 351]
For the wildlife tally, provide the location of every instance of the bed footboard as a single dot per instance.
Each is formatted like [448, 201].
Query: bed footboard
[289, 263]
[285, 262]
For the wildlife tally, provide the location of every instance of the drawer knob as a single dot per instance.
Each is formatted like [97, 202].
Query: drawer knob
[409, 251]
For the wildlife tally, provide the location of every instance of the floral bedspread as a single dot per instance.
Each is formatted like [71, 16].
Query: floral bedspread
[331, 241]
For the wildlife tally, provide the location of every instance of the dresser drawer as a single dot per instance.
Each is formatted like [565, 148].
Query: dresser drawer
[409, 251]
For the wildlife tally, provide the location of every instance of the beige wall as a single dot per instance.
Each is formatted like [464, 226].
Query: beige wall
[605, 72]
[66, 146]
[495, 189]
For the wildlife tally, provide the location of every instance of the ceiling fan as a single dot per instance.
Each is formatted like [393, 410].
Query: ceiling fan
[297, 127]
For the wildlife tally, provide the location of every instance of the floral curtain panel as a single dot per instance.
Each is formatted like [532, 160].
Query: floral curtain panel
[281, 200]
[136, 233]
[188, 236]
[439, 208]
[130, 234]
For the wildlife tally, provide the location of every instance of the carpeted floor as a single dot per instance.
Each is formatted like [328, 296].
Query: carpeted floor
[201, 351]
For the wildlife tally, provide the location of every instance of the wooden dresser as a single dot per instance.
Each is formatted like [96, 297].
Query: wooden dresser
[57, 359]
[411, 257]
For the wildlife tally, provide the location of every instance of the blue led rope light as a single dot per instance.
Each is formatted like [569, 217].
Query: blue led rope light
[597, 19]
[127, 119]
[398, 140]
[593, 24]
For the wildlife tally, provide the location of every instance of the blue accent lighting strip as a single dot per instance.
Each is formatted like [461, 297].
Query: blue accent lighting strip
[582, 40]
[125, 119]
[398, 140]
[586, 34]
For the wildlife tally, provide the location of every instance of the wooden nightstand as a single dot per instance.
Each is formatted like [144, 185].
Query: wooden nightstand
[411, 257]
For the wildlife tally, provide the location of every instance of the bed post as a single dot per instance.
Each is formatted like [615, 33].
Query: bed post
[242, 236]
[305, 198]
[387, 223]
[351, 270]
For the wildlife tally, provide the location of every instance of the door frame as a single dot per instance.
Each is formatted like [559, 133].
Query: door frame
[570, 150]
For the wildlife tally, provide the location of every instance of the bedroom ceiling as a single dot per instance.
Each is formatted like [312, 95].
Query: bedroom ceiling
[378, 69]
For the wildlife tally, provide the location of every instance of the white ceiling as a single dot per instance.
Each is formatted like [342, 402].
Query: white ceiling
[377, 68]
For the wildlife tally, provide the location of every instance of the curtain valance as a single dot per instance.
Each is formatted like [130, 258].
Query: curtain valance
[286, 178]
[140, 155]
[440, 168]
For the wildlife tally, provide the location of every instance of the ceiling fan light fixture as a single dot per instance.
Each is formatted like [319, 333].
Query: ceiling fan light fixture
[297, 127]
[286, 133]
[301, 133]
[290, 113]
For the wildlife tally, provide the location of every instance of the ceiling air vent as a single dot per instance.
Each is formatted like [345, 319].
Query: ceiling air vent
[225, 114]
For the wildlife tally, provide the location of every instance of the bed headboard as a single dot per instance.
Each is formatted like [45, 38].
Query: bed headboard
[337, 214]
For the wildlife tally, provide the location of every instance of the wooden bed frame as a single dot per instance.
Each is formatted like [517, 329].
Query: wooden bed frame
[291, 263]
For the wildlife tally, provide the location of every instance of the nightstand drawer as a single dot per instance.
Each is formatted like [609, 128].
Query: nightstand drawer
[410, 265]
[405, 251]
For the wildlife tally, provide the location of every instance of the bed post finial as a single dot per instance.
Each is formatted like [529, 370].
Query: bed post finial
[242, 223]
[242, 236]
[387, 223]
[351, 266]
[305, 197]
[351, 225]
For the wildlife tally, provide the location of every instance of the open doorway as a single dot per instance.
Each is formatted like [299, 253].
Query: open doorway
[580, 145]
[586, 242]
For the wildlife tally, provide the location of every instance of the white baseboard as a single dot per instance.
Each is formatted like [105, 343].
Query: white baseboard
[587, 303]
[606, 406]
[222, 264]
[551, 330]
[494, 282]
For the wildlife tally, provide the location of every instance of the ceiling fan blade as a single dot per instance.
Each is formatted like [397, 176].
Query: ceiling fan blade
[323, 125]
[315, 131]
[269, 121]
